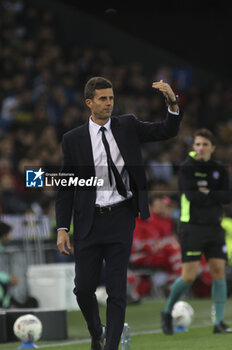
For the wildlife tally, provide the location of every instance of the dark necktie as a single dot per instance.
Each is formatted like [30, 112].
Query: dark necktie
[111, 166]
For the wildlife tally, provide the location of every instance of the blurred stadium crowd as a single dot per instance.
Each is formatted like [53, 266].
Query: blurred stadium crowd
[41, 97]
[41, 86]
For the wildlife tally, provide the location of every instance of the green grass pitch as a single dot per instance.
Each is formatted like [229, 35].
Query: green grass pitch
[144, 321]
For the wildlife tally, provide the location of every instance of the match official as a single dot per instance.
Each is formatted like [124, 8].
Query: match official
[204, 188]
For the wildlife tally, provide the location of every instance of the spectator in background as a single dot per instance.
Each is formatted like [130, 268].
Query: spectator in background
[6, 281]
[11, 202]
[161, 169]
[155, 245]
[227, 226]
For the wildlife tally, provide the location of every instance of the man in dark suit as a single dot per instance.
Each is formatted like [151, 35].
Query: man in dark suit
[107, 147]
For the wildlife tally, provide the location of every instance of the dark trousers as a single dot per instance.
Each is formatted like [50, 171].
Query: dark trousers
[109, 240]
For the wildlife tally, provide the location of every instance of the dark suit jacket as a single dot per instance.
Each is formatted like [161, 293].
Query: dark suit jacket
[129, 133]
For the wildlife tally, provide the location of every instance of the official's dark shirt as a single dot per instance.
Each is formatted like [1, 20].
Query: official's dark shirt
[196, 207]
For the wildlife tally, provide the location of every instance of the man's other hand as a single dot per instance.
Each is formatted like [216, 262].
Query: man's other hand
[63, 241]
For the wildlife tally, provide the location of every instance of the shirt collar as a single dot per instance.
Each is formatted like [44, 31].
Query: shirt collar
[96, 127]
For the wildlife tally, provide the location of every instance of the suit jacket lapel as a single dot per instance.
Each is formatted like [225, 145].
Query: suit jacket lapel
[120, 138]
[85, 147]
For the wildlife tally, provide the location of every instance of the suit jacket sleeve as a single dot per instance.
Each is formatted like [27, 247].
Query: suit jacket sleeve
[65, 196]
[151, 131]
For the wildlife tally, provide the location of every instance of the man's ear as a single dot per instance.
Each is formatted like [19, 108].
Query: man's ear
[88, 102]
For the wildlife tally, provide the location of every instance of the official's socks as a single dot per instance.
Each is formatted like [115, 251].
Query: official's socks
[219, 293]
[178, 288]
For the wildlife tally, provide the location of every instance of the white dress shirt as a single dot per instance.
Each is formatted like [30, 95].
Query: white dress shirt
[107, 195]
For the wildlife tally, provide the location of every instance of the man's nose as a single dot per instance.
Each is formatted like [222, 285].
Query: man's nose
[109, 101]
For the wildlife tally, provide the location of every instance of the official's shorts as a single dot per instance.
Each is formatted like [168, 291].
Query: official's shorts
[198, 239]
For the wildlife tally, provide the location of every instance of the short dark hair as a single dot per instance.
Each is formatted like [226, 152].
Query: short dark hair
[96, 83]
[205, 133]
[4, 229]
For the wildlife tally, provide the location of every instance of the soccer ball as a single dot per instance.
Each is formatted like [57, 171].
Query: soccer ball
[28, 328]
[182, 314]
[101, 295]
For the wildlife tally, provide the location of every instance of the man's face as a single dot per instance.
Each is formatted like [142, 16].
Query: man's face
[101, 105]
[203, 148]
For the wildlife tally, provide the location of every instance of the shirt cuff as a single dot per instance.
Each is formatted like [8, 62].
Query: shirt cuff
[62, 228]
[175, 113]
